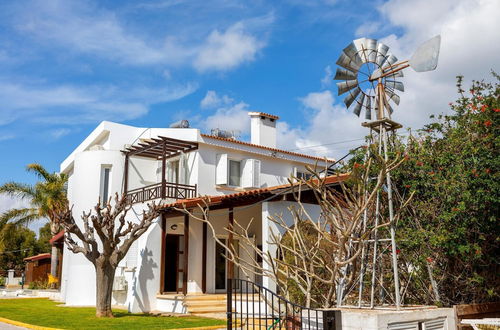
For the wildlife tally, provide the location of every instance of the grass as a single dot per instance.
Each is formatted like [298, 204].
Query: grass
[46, 313]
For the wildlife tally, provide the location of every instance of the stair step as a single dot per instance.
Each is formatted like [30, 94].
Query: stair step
[200, 303]
[205, 297]
[206, 309]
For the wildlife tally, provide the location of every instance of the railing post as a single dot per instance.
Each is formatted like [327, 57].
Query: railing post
[163, 165]
[229, 306]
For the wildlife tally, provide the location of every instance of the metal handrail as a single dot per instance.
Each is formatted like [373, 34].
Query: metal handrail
[282, 310]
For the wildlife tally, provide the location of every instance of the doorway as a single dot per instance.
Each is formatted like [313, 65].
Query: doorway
[221, 264]
[174, 263]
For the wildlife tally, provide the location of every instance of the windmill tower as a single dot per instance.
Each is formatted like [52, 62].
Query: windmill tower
[369, 77]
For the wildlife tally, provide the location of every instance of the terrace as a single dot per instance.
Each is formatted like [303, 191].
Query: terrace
[160, 148]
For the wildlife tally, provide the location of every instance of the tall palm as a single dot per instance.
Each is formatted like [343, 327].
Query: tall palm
[46, 198]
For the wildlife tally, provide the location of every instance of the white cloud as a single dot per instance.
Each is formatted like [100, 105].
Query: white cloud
[75, 104]
[367, 29]
[327, 79]
[212, 100]
[327, 127]
[59, 133]
[469, 34]
[83, 28]
[228, 49]
[231, 118]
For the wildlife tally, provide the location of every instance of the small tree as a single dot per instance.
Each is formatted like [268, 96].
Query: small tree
[46, 198]
[105, 250]
[317, 259]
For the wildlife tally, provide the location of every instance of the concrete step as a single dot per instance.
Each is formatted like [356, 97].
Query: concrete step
[197, 297]
[206, 309]
[200, 303]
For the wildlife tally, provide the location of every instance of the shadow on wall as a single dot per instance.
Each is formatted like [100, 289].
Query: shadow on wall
[145, 274]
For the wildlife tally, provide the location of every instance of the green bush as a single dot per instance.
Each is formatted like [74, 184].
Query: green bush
[37, 285]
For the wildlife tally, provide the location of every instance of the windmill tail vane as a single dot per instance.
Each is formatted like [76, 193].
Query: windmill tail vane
[369, 73]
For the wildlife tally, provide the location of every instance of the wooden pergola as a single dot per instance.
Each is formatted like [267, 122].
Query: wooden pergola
[159, 148]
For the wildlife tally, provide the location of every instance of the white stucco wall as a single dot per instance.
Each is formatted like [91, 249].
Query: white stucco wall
[273, 209]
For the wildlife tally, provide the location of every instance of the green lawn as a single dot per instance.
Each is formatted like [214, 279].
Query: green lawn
[44, 312]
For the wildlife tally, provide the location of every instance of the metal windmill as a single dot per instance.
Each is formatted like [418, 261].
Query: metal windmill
[369, 74]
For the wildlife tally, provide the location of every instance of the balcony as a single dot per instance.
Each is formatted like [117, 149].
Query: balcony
[157, 190]
[159, 149]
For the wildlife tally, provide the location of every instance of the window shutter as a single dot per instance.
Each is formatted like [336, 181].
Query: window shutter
[183, 169]
[250, 177]
[221, 169]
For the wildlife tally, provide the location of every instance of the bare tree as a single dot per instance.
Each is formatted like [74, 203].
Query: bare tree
[105, 250]
[316, 257]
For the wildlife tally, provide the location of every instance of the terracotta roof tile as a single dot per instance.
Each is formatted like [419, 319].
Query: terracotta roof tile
[215, 199]
[57, 237]
[267, 148]
[264, 114]
[38, 257]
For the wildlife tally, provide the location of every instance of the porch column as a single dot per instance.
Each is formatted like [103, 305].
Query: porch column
[204, 259]
[163, 165]
[230, 264]
[186, 254]
[163, 242]
[125, 174]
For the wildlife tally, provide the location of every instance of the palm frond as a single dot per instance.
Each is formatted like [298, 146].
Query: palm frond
[41, 172]
[19, 216]
[20, 190]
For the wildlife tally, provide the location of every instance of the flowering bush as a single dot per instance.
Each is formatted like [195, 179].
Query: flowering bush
[453, 218]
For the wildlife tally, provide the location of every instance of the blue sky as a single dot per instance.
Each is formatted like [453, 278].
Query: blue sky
[67, 65]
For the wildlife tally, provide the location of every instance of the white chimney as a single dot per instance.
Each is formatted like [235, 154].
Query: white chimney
[263, 129]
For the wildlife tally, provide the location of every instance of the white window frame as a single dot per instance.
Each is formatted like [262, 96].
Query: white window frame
[105, 187]
[229, 160]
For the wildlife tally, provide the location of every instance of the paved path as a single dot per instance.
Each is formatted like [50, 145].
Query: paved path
[5, 326]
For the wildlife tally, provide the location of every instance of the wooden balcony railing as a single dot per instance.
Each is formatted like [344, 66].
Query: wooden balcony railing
[158, 190]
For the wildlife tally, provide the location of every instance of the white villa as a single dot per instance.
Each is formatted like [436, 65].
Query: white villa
[177, 257]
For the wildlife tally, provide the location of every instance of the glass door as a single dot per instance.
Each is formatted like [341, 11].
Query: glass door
[221, 264]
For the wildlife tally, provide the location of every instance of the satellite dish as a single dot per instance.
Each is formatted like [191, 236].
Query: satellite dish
[426, 56]
[369, 74]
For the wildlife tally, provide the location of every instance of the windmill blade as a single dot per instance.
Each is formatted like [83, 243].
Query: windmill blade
[366, 48]
[345, 86]
[381, 54]
[352, 52]
[359, 104]
[392, 96]
[351, 97]
[344, 74]
[426, 56]
[393, 84]
[389, 61]
[388, 106]
[397, 74]
[345, 62]
[368, 106]
[371, 46]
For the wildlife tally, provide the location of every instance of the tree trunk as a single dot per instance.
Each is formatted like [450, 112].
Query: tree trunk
[54, 256]
[53, 261]
[105, 274]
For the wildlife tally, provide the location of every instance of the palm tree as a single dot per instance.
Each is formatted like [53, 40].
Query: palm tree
[46, 198]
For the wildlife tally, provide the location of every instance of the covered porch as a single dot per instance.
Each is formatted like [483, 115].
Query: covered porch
[193, 262]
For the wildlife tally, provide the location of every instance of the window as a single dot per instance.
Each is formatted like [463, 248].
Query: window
[105, 178]
[303, 175]
[173, 171]
[234, 173]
